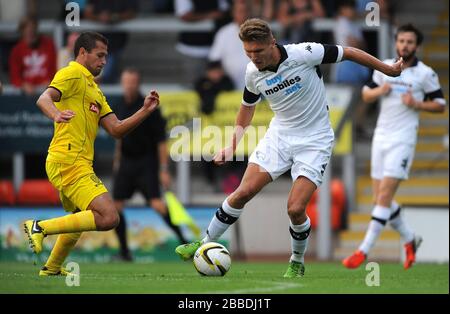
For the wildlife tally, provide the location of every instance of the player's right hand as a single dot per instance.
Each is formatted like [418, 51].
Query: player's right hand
[223, 156]
[151, 101]
[397, 68]
[64, 116]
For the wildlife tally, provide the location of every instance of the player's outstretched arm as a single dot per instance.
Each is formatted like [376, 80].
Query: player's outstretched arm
[243, 120]
[363, 58]
[119, 128]
[47, 106]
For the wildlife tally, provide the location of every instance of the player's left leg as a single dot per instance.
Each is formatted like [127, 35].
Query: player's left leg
[300, 225]
[64, 244]
[410, 240]
[380, 215]
[310, 155]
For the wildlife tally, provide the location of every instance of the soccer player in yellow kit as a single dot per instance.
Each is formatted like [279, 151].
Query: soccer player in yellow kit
[77, 106]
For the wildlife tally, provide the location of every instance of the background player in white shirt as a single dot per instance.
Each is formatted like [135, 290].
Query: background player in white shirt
[416, 89]
[299, 137]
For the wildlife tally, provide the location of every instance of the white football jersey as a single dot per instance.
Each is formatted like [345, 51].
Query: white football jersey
[396, 121]
[295, 89]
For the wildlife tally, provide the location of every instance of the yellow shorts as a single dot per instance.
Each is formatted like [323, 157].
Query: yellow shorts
[77, 184]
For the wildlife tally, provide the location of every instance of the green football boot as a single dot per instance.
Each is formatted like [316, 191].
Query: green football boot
[295, 270]
[187, 251]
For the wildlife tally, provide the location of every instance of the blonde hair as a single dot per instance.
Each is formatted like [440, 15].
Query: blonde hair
[255, 30]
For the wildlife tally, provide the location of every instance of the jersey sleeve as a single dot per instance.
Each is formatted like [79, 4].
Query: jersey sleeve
[105, 108]
[432, 88]
[66, 82]
[315, 54]
[251, 94]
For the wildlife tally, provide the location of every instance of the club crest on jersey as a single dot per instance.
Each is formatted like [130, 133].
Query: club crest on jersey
[95, 107]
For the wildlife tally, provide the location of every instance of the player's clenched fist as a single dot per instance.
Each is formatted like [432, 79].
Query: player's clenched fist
[151, 101]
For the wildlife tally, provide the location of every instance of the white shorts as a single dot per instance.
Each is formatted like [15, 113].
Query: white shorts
[306, 156]
[391, 159]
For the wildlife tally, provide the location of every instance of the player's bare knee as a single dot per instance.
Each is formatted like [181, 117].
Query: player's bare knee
[384, 198]
[242, 195]
[107, 222]
[297, 212]
[113, 221]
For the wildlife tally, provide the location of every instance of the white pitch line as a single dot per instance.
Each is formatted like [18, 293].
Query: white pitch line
[275, 287]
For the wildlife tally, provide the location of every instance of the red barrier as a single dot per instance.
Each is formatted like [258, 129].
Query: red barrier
[37, 192]
[7, 193]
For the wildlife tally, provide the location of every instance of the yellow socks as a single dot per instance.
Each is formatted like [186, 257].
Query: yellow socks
[78, 222]
[64, 244]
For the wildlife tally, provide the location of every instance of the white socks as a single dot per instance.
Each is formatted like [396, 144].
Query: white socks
[224, 217]
[399, 224]
[299, 240]
[380, 215]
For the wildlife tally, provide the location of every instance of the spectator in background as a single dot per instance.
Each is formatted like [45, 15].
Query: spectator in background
[295, 16]
[347, 32]
[195, 46]
[12, 12]
[227, 47]
[110, 12]
[65, 54]
[32, 62]
[140, 160]
[263, 9]
[208, 87]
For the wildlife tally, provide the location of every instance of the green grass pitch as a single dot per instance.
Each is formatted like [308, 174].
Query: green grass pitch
[243, 278]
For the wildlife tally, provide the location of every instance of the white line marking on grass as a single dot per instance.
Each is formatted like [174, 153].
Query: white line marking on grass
[274, 287]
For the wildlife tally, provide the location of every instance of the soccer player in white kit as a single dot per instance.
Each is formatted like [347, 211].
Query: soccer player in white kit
[299, 138]
[402, 98]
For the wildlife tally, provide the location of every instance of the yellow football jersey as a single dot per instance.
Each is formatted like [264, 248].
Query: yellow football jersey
[74, 140]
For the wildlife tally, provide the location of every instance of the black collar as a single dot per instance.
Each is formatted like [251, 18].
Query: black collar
[415, 62]
[284, 56]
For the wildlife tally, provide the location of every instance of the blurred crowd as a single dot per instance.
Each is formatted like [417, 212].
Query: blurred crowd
[31, 59]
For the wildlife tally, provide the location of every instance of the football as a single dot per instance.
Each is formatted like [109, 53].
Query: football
[212, 259]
